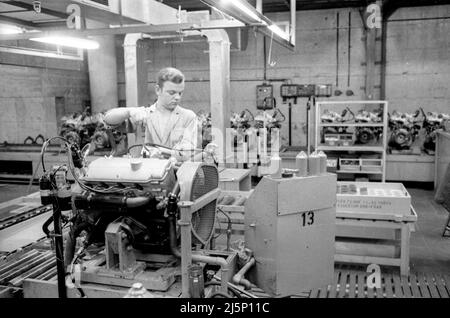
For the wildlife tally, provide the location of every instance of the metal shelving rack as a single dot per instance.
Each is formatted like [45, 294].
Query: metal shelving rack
[381, 148]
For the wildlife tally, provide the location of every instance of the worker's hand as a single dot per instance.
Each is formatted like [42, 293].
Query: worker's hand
[136, 114]
[210, 152]
[151, 152]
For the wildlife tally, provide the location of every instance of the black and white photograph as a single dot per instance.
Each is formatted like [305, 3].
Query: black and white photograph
[225, 157]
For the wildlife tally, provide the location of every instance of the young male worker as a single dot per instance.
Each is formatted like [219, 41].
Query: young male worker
[165, 122]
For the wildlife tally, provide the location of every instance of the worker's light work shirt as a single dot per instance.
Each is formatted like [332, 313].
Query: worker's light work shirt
[176, 129]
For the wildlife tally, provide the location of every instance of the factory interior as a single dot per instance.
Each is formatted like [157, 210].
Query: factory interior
[233, 149]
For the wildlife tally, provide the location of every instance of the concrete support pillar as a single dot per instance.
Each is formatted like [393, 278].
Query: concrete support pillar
[103, 72]
[136, 70]
[219, 75]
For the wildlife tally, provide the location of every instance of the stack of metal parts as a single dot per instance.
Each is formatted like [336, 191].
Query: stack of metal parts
[31, 264]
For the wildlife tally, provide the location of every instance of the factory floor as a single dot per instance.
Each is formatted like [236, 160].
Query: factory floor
[429, 251]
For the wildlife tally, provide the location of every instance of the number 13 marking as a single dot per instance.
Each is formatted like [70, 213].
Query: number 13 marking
[308, 218]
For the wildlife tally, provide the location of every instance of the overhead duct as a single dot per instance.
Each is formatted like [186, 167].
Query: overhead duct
[238, 38]
[148, 11]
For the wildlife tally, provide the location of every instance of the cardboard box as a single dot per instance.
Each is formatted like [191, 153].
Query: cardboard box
[373, 197]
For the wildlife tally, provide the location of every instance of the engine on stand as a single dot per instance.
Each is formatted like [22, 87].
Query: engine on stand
[416, 132]
[146, 220]
[404, 129]
[432, 123]
[268, 125]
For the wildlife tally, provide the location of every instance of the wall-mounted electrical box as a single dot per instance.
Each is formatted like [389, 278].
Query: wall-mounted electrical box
[306, 90]
[323, 90]
[289, 90]
[264, 96]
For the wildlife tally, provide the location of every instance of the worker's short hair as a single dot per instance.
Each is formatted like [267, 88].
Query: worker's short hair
[169, 74]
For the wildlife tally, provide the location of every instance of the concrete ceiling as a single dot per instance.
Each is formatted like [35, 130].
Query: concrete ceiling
[53, 15]
[283, 5]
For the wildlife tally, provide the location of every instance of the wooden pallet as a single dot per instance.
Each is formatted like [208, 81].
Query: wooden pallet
[352, 284]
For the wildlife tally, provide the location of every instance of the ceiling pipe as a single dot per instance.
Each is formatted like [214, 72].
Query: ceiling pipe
[387, 9]
[292, 24]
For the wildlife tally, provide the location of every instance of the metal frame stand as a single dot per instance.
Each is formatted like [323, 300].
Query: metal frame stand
[59, 249]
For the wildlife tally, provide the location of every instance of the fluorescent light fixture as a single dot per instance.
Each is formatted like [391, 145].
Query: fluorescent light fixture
[238, 4]
[9, 29]
[69, 41]
[276, 29]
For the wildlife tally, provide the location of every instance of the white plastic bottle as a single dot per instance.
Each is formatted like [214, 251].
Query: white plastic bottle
[323, 162]
[313, 164]
[301, 164]
[275, 166]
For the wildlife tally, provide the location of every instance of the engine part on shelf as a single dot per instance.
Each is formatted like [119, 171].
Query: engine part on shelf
[432, 123]
[404, 129]
[367, 135]
[329, 116]
[241, 120]
[332, 117]
[269, 119]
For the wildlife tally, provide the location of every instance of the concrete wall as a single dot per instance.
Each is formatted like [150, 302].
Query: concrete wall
[312, 61]
[28, 87]
[417, 63]
[418, 59]
[417, 70]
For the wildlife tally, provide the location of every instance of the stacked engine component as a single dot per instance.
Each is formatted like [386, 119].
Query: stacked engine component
[432, 123]
[90, 129]
[342, 135]
[367, 135]
[404, 128]
[204, 128]
[420, 127]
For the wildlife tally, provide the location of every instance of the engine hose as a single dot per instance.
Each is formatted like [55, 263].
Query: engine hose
[173, 236]
[93, 201]
[137, 202]
[46, 224]
[239, 277]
